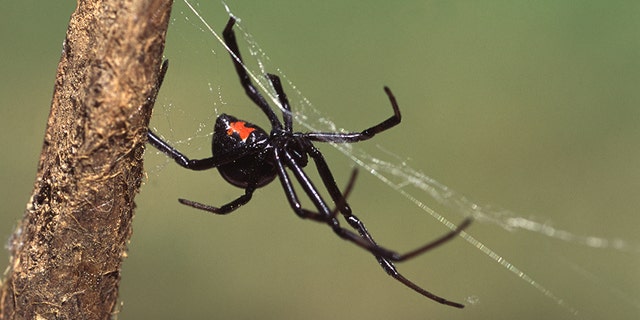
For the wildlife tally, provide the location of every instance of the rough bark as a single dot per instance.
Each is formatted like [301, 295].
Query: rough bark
[67, 252]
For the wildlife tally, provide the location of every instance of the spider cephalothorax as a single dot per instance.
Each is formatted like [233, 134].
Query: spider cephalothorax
[249, 157]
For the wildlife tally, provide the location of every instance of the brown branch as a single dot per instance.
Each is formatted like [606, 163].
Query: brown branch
[67, 252]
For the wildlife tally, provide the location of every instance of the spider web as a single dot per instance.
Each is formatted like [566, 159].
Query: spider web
[396, 172]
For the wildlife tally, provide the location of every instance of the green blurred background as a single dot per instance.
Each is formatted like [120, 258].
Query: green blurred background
[529, 106]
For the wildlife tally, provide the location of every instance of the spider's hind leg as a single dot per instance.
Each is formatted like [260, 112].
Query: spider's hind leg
[391, 270]
[364, 240]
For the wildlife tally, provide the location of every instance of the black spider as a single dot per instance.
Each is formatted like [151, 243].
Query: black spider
[248, 157]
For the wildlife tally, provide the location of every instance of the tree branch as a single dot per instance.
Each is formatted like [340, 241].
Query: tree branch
[67, 251]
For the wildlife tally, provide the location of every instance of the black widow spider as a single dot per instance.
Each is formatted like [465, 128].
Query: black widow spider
[248, 157]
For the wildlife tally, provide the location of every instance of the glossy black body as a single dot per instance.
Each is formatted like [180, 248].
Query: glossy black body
[248, 157]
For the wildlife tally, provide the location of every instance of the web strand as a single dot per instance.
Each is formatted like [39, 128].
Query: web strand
[398, 176]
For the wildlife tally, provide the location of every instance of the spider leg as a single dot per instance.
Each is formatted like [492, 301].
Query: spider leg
[382, 255]
[227, 208]
[364, 134]
[290, 192]
[182, 160]
[345, 194]
[286, 113]
[163, 146]
[337, 196]
[251, 91]
[393, 272]
[386, 258]
[341, 204]
[324, 214]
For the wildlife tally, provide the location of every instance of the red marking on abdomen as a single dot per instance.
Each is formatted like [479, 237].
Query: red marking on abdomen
[240, 128]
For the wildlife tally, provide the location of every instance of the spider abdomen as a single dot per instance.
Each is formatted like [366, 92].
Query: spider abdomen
[239, 146]
[248, 171]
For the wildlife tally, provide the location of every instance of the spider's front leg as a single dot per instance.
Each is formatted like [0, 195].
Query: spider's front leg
[251, 91]
[365, 134]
